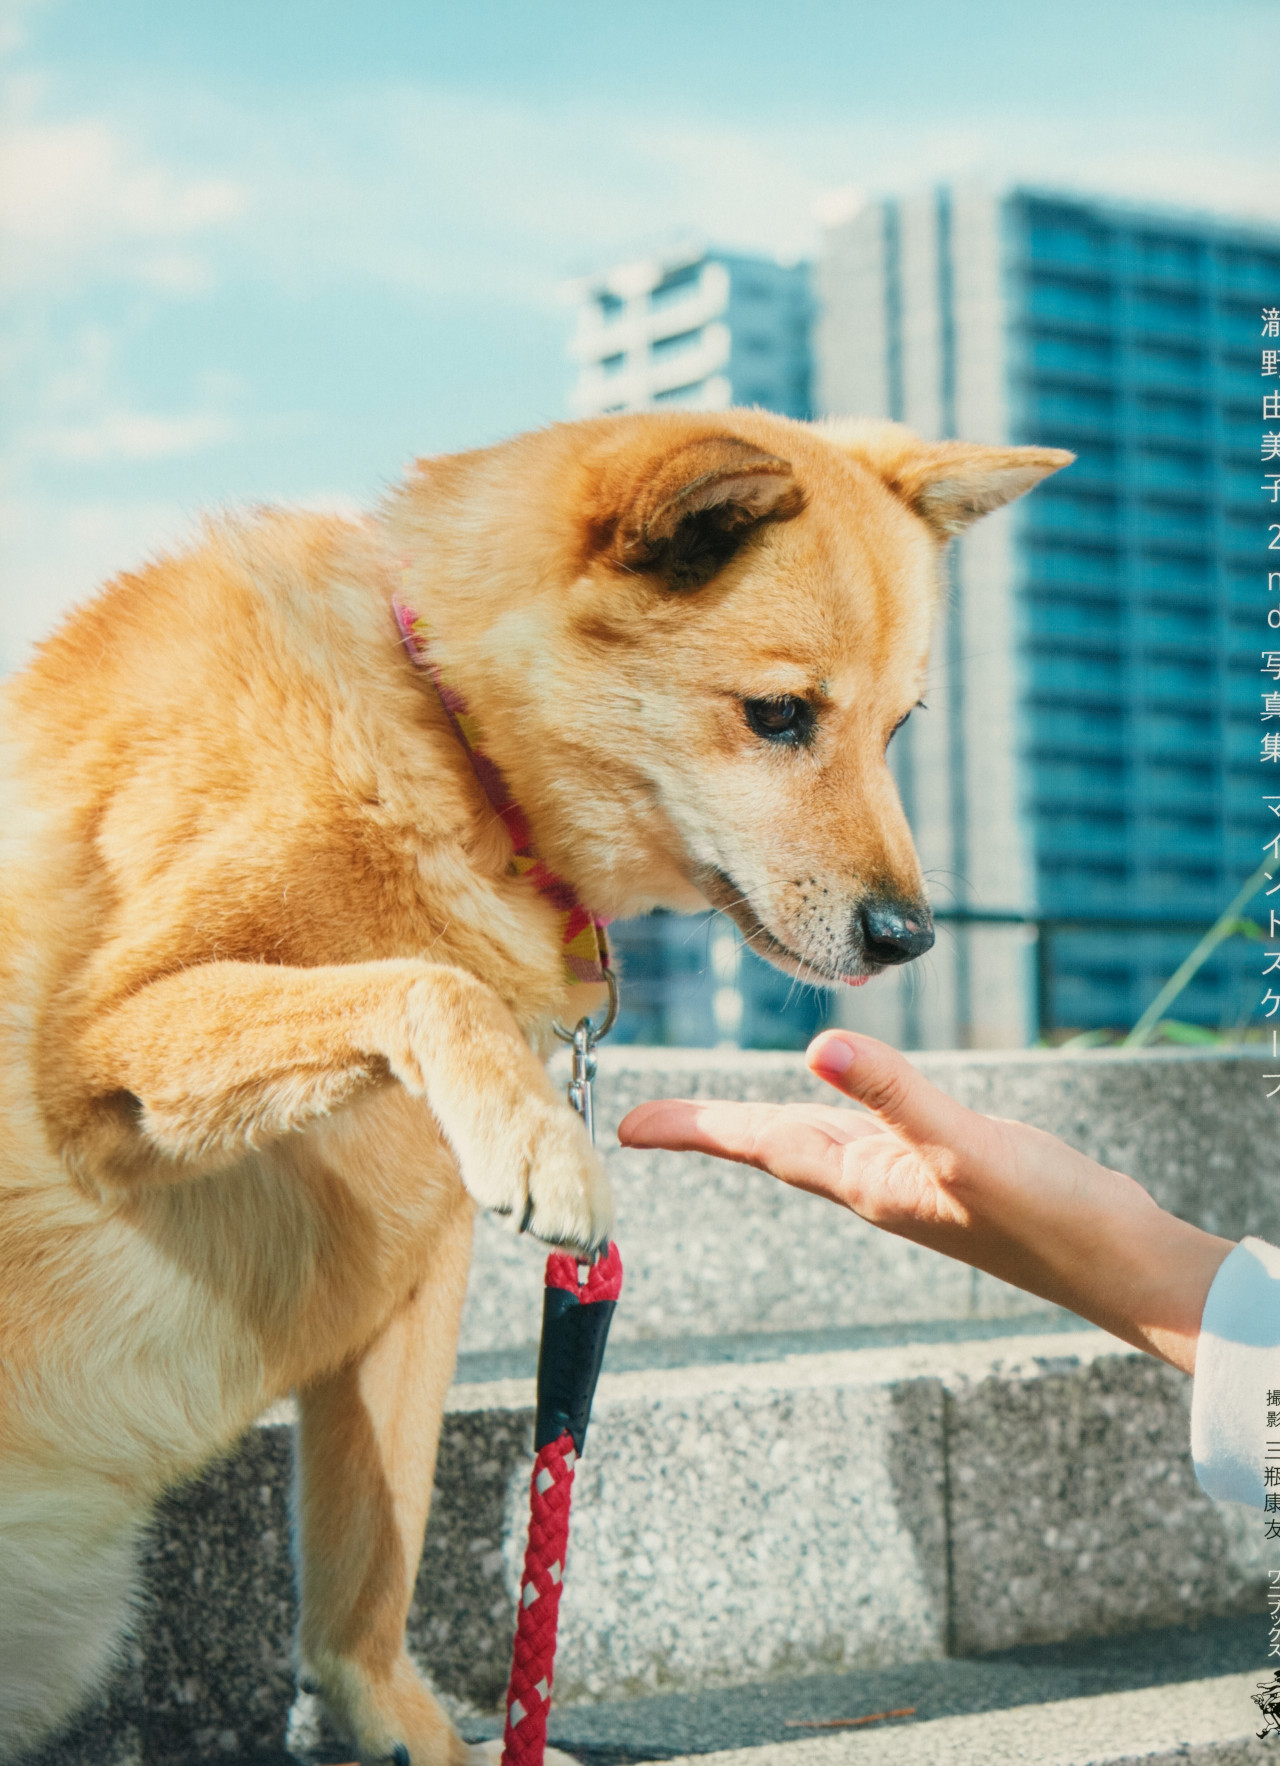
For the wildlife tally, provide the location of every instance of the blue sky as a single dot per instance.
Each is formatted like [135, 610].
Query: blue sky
[260, 249]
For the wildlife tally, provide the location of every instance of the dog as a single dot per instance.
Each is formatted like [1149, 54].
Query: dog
[275, 997]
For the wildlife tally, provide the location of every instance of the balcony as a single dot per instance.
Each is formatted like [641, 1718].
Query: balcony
[638, 325]
[688, 364]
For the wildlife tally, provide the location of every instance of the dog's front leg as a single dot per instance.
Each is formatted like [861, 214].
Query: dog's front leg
[366, 1452]
[191, 1071]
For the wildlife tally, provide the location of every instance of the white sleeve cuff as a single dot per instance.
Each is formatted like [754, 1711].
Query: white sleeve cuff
[1237, 1366]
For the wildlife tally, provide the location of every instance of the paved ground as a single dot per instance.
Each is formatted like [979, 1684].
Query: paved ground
[783, 1711]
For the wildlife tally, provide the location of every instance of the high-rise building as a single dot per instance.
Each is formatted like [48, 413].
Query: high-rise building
[1090, 753]
[697, 329]
[693, 329]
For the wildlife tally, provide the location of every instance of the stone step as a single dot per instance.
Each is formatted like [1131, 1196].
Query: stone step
[715, 1250]
[734, 1521]
[1139, 1696]
[1160, 1696]
[1200, 1723]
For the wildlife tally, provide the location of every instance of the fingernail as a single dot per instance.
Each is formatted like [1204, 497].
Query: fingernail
[834, 1056]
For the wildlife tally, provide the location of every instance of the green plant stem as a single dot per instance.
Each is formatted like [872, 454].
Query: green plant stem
[1222, 927]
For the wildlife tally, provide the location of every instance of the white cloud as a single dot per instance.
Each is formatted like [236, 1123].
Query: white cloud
[79, 198]
[432, 192]
[439, 193]
[133, 435]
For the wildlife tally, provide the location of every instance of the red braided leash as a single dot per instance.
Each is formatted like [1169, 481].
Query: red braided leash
[580, 1296]
[578, 1304]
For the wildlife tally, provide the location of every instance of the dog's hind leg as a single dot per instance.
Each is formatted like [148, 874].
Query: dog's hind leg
[68, 1576]
[366, 1453]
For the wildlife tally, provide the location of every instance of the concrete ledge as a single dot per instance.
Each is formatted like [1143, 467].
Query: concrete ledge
[852, 1510]
[713, 1249]
[1197, 1723]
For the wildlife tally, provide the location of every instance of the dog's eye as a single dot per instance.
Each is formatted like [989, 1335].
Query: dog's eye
[780, 720]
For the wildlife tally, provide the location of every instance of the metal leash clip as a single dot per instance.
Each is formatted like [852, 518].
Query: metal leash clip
[583, 1039]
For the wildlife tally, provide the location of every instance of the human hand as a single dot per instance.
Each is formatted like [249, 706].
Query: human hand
[1000, 1195]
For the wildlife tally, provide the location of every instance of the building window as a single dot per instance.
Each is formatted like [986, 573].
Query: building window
[609, 304]
[611, 364]
[1179, 572]
[1055, 616]
[1180, 469]
[1076, 512]
[1161, 310]
[666, 346]
[1064, 353]
[1177, 681]
[1098, 566]
[1172, 417]
[1082, 303]
[675, 285]
[1167, 362]
[1066, 238]
[1162, 623]
[1259, 270]
[670, 394]
[1090, 408]
[1163, 256]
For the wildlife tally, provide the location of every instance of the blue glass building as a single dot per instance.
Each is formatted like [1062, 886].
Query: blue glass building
[1091, 751]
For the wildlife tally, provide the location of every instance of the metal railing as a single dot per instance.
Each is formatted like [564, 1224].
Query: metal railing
[1047, 926]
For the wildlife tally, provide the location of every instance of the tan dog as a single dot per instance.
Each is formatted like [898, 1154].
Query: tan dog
[271, 996]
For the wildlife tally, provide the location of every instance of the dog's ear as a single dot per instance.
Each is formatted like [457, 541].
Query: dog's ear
[951, 484]
[682, 516]
[948, 484]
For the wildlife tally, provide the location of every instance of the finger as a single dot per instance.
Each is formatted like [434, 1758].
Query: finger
[664, 1122]
[886, 1082]
[682, 1125]
[796, 1146]
[729, 1131]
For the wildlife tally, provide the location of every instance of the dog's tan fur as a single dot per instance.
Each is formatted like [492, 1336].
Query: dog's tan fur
[271, 1001]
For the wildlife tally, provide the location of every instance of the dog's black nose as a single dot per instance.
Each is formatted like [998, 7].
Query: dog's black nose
[895, 931]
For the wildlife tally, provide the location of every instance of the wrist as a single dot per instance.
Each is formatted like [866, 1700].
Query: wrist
[1159, 1309]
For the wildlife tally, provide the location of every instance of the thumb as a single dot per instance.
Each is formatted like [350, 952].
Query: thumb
[889, 1086]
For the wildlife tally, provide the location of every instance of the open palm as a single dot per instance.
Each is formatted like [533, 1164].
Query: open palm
[1002, 1196]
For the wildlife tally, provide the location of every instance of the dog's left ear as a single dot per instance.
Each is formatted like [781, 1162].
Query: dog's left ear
[951, 484]
[681, 518]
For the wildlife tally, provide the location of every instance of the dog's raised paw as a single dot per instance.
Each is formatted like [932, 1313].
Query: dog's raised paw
[567, 1196]
[542, 1171]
